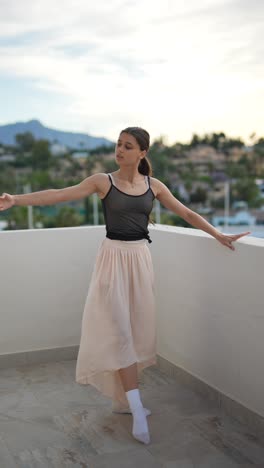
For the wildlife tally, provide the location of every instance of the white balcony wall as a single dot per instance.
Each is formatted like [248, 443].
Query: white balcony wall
[210, 300]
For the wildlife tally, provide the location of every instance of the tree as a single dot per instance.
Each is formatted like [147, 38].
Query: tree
[102, 149]
[199, 196]
[173, 220]
[194, 141]
[109, 165]
[258, 157]
[25, 141]
[219, 141]
[160, 161]
[236, 170]
[41, 156]
[17, 218]
[40, 180]
[67, 217]
[7, 180]
[247, 190]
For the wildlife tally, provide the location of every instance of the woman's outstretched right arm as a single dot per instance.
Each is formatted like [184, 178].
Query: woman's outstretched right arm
[52, 196]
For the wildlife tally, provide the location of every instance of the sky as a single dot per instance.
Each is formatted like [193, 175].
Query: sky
[172, 67]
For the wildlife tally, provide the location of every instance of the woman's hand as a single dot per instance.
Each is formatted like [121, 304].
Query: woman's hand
[227, 239]
[6, 201]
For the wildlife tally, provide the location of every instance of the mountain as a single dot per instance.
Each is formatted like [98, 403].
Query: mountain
[69, 139]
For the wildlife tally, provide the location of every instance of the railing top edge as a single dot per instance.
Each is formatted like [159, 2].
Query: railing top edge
[159, 228]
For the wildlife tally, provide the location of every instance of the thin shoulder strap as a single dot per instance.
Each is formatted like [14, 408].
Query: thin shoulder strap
[148, 181]
[111, 179]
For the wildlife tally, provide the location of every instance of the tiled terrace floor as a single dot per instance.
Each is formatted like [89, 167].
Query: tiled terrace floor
[48, 420]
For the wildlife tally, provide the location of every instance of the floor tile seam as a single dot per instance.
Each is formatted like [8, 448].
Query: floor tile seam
[227, 445]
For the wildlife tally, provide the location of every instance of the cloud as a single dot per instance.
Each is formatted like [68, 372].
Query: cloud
[45, 15]
[236, 24]
[226, 14]
[123, 61]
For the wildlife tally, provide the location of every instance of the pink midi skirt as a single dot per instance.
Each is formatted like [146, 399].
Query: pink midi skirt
[119, 324]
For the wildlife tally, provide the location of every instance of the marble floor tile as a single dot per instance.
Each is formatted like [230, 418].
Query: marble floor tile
[47, 420]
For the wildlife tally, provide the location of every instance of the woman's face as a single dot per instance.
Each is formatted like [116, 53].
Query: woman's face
[128, 151]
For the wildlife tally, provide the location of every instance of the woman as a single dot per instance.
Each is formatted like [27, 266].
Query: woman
[118, 333]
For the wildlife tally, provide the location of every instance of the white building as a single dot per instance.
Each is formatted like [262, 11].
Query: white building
[260, 184]
[57, 149]
[7, 158]
[239, 218]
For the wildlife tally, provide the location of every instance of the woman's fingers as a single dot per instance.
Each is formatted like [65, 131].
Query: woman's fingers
[227, 239]
[237, 236]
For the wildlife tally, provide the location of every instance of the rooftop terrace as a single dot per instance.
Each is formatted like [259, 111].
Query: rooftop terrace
[206, 392]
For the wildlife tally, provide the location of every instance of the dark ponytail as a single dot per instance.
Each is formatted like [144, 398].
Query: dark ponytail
[143, 139]
[144, 167]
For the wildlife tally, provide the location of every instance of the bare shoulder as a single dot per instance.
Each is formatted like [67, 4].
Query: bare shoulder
[156, 186]
[100, 177]
[102, 183]
[95, 183]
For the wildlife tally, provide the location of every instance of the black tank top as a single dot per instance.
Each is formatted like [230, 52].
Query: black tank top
[126, 216]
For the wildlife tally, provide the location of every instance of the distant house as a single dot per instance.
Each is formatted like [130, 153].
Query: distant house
[205, 153]
[183, 192]
[57, 149]
[3, 225]
[219, 176]
[80, 154]
[240, 205]
[238, 219]
[260, 184]
[7, 158]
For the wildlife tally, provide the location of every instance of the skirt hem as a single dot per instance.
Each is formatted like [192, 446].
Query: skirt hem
[149, 361]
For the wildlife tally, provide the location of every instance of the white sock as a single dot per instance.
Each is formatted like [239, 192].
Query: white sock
[140, 426]
[117, 407]
[128, 411]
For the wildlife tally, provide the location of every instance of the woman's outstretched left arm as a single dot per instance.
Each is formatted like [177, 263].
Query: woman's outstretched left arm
[165, 196]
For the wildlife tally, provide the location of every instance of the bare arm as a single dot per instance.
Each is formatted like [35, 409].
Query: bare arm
[53, 196]
[165, 196]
